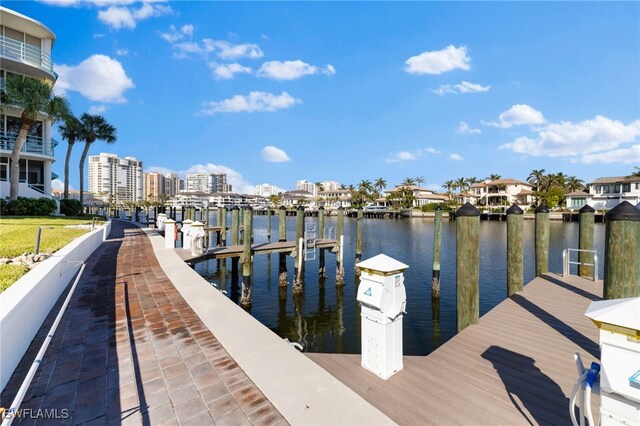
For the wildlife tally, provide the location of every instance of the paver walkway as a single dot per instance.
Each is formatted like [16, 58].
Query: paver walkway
[130, 350]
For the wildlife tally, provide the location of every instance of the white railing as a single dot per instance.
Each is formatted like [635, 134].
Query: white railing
[567, 262]
[33, 144]
[17, 50]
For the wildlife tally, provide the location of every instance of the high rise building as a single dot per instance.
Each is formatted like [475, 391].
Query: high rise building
[303, 185]
[330, 185]
[266, 190]
[115, 179]
[25, 49]
[154, 186]
[173, 184]
[207, 182]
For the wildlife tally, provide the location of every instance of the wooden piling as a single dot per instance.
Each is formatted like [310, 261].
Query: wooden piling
[622, 252]
[235, 225]
[437, 242]
[322, 270]
[515, 257]
[269, 224]
[340, 239]
[247, 261]
[542, 239]
[359, 222]
[223, 224]
[586, 240]
[467, 266]
[298, 268]
[282, 236]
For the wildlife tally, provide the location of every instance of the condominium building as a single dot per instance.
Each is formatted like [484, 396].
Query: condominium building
[330, 185]
[310, 187]
[154, 186]
[173, 184]
[25, 49]
[115, 179]
[266, 190]
[207, 182]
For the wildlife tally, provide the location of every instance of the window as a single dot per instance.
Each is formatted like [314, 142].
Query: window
[578, 202]
[626, 187]
[616, 188]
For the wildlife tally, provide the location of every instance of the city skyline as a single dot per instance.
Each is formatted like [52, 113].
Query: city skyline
[280, 92]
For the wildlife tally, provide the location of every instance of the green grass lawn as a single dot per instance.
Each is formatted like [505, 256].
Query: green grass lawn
[18, 236]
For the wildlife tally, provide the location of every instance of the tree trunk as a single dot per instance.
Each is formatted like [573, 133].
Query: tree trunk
[85, 151]
[14, 176]
[66, 169]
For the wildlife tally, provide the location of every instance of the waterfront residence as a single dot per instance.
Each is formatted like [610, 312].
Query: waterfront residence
[577, 199]
[502, 192]
[421, 196]
[25, 48]
[465, 197]
[334, 198]
[298, 197]
[607, 192]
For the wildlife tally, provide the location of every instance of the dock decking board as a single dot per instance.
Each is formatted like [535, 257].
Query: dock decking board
[515, 367]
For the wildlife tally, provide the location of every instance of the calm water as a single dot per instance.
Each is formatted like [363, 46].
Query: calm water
[327, 319]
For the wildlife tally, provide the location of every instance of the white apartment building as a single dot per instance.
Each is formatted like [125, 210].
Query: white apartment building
[115, 179]
[25, 48]
[310, 187]
[502, 192]
[608, 192]
[330, 185]
[266, 190]
[207, 182]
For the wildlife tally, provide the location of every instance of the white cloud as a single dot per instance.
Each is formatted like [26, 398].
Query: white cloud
[227, 71]
[439, 61]
[122, 52]
[255, 101]
[464, 129]
[187, 29]
[456, 157]
[126, 17]
[433, 151]
[174, 35]
[598, 140]
[58, 185]
[463, 87]
[239, 184]
[518, 115]
[98, 78]
[97, 109]
[410, 155]
[291, 70]
[223, 49]
[274, 154]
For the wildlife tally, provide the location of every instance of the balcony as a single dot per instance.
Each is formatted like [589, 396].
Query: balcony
[16, 55]
[33, 144]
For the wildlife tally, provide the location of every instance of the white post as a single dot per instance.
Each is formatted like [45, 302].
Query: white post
[186, 239]
[170, 233]
[195, 230]
[565, 269]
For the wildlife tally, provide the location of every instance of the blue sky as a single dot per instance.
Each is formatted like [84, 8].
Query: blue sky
[282, 91]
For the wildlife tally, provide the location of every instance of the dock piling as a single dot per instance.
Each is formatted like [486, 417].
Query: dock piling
[282, 236]
[235, 225]
[586, 240]
[359, 221]
[467, 266]
[542, 239]
[269, 224]
[223, 224]
[515, 256]
[437, 241]
[247, 260]
[622, 252]
[339, 255]
[298, 269]
[322, 271]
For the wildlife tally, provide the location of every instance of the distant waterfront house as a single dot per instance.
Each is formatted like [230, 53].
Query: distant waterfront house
[465, 197]
[297, 198]
[421, 196]
[577, 199]
[334, 198]
[502, 192]
[607, 192]
[25, 49]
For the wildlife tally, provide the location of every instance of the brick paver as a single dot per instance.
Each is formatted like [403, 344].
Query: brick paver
[130, 350]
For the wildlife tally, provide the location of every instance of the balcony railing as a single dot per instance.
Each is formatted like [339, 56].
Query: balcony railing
[33, 144]
[19, 51]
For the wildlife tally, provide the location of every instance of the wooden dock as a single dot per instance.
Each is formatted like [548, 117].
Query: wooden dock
[262, 248]
[515, 367]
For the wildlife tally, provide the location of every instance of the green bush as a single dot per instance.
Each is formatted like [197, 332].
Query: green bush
[431, 207]
[71, 207]
[28, 206]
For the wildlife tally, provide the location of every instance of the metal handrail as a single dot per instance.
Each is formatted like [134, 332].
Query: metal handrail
[14, 49]
[33, 144]
[567, 262]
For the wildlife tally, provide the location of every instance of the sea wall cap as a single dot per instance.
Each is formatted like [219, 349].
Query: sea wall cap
[515, 209]
[587, 209]
[623, 211]
[542, 209]
[467, 209]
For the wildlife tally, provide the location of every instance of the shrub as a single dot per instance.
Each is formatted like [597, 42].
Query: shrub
[71, 207]
[28, 206]
[432, 207]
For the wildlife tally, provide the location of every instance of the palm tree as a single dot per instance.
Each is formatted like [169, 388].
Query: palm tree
[636, 173]
[574, 184]
[319, 187]
[449, 185]
[408, 182]
[419, 180]
[71, 132]
[462, 184]
[536, 177]
[473, 180]
[94, 127]
[30, 96]
[494, 176]
[380, 184]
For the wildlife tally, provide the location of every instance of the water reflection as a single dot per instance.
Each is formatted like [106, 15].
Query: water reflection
[327, 317]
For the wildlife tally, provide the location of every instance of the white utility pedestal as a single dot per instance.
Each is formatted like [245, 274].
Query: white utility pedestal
[383, 301]
[619, 324]
[160, 220]
[196, 230]
[169, 226]
[186, 239]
